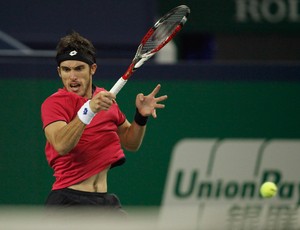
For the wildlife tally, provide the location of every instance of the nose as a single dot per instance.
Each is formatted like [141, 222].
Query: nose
[73, 75]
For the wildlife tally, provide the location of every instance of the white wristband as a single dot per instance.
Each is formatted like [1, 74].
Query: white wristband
[85, 113]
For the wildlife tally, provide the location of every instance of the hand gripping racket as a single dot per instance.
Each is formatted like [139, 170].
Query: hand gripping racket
[156, 38]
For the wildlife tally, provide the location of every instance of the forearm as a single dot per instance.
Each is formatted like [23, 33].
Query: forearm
[67, 137]
[70, 134]
[134, 137]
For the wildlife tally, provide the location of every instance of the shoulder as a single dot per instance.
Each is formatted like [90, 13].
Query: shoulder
[62, 96]
[62, 101]
[60, 106]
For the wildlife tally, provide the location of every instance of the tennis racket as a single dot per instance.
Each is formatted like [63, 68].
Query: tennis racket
[156, 38]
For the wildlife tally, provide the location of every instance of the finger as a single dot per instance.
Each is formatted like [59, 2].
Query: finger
[156, 90]
[160, 106]
[161, 98]
[154, 113]
[105, 94]
[105, 101]
[108, 98]
[106, 105]
[141, 97]
[112, 96]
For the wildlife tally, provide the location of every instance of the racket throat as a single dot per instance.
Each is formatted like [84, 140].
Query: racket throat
[142, 60]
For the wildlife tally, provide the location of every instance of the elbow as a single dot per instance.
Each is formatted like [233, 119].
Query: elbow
[61, 153]
[132, 148]
[61, 150]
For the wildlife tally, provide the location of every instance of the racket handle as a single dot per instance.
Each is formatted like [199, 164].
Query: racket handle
[118, 86]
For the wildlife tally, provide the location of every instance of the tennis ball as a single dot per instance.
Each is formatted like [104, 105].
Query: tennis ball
[268, 189]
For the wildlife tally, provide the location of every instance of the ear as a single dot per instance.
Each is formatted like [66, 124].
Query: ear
[58, 71]
[93, 68]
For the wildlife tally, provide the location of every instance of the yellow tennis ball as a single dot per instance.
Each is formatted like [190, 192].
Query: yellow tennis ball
[268, 189]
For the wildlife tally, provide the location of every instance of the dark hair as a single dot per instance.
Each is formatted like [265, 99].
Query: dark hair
[75, 42]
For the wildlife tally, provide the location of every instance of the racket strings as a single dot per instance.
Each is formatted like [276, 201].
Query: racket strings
[164, 29]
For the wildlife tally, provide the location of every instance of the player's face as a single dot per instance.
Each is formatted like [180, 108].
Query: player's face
[77, 77]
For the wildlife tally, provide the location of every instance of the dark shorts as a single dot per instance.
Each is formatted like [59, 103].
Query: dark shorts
[68, 198]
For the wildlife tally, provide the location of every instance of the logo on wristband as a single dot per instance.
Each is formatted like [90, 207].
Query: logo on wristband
[85, 111]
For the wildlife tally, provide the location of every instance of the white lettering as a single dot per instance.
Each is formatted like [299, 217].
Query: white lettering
[276, 15]
[246, 9]
[294, 7]
[272, 11]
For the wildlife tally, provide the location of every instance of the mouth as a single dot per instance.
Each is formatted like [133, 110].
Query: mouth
[75, 87]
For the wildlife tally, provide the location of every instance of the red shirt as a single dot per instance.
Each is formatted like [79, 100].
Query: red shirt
[98, 147]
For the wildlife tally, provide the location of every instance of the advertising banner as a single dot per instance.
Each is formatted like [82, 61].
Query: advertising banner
[215, 184]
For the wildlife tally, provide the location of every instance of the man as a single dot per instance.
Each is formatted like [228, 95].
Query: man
[86, 130]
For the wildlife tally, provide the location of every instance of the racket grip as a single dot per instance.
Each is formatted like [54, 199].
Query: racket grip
[118, 86]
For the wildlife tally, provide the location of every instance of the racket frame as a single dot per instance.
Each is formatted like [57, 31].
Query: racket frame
[139, 57]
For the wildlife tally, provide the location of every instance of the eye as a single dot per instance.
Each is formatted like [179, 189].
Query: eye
[65, 69]
[79, 68]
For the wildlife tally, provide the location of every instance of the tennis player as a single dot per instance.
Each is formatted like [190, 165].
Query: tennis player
[85, 129]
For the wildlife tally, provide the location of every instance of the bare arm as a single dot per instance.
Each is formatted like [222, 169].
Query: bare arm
[64, 137]
[131, 135]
